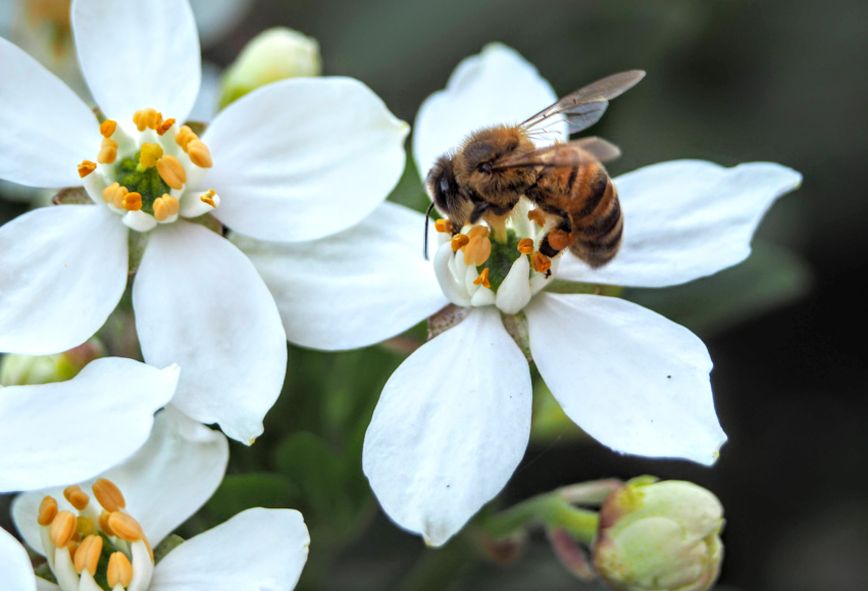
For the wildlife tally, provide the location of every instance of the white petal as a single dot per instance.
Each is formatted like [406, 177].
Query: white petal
[303, 158]
[47, 129]
[454, 289]
[136, 55]
[450, 428]
[15, 569]
[495, 87]
[63, 270]
[359, 287]
[67, 431]
[164, 483]
[199, 302]
[632, 379]
[514, 293]
[262, 549]
[686, 219]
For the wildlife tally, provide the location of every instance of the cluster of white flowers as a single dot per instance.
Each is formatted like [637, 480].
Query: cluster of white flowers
[298, 170]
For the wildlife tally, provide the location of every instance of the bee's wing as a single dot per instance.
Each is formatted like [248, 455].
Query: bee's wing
[554, 156]
[586, 106]
[601, 149]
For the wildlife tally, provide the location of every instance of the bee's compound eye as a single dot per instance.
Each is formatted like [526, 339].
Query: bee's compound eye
[444, 184]
[485, 167]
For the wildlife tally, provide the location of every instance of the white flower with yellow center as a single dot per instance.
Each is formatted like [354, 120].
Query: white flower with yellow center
[453, 421]
[293, 161]
[99, 535]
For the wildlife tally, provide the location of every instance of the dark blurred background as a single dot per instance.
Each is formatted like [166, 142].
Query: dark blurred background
[728, 81]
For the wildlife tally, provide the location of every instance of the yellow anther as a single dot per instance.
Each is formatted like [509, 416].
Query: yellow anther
[165, 207]
[525, 246]
[62, 528]
[208, 197]
[199, 154]
[104, 523]
[147, 119]
[459, 241]
[537, 215]
[119, 571]
[76, 497]
[184, 136]
[125, 527]
[172, 172]
[132, 201]
[540, 262]
[478, 248]
[165, 126]
[85, 168]
[87, 554]
[108, 495]
[483, 279]
[443, 225]
[115, 194]
[84, 526]
[149, 155]
[108, 151]
[107, 128]
[47, 511]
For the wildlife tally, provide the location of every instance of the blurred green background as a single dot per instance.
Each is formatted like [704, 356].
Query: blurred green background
[728, 81]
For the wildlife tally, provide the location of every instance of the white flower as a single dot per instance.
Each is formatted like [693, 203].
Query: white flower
[453, 421]
[297, 160]
[137, 504]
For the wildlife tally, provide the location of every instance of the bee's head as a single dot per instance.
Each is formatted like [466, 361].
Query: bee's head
[448, 197]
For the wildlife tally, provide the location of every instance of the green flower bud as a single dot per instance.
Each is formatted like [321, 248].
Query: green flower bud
[28, 370]
[659, 536]
[275, 54]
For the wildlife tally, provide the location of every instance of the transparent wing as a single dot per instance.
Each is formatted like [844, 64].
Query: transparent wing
[601, 149]
[568, 154]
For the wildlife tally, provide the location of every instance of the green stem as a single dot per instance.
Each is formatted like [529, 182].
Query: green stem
[436, 568]
[550, 510]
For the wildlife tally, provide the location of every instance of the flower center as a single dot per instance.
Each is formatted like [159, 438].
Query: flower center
[95, 547]
[147, 174]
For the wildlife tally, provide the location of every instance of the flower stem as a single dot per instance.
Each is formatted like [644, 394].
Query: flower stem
[550, 510]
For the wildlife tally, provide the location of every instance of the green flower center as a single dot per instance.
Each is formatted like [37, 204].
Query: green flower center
[146, 182]
[503, 255]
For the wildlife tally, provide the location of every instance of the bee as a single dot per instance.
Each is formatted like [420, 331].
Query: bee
[496, 166]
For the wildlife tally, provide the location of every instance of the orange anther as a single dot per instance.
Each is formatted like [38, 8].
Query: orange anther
[443, 226]
[147, 118]
[540, 262]
[108, 151]
[199, 153]
[208, 197]
[108, 495]
[482, 279]
[115, 194]
[104, 523]
[537, 215]
[132, 201]
[525, 246]
[62, 528]
[184, 136]
[558, 239]
[76, 497]
[85, 168]
[478, 249]
[47, 511]
[165, 126]
[87, 554]
[165, 207]
[107, 128]
[125, 527]
[119, 571]
[459, 241]
[172, 172]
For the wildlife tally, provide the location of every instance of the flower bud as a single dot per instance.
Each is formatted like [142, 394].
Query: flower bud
[659, 536]
[275, 54]
[27, 370]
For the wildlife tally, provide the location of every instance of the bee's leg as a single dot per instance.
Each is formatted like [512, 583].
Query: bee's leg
[478, 210]
[558, 238]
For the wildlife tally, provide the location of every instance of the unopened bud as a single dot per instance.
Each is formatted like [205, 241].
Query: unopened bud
[660, 536]
[275, 54]
[27, 370]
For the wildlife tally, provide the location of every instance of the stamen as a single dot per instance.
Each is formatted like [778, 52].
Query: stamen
[115, 194]
[104, 523]
[478, 249]
[108, 495]
[76, 497]
[108, 151]
[558, 239]
[199, 154]
[132, 201]
[164, 208]
[107, 128]
[208, 197]
[540, 262]
[171, 171]
[165, 126]
[147, 118]
[84, 526]
[62, 528]
[184, 136]
[525, 246]
[87, 554]
[47, 511]
[459, 241]
[483, 279]
[443, 225]
[537, 215]
[120, 571]
[125, 527]
[149, 155]
[85, 168]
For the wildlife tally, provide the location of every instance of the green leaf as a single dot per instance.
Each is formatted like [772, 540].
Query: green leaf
[243, 491]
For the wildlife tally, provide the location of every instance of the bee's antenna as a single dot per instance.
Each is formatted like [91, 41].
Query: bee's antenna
[427, 219]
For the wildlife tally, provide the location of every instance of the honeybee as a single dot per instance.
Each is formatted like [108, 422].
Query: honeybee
[488, 174]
